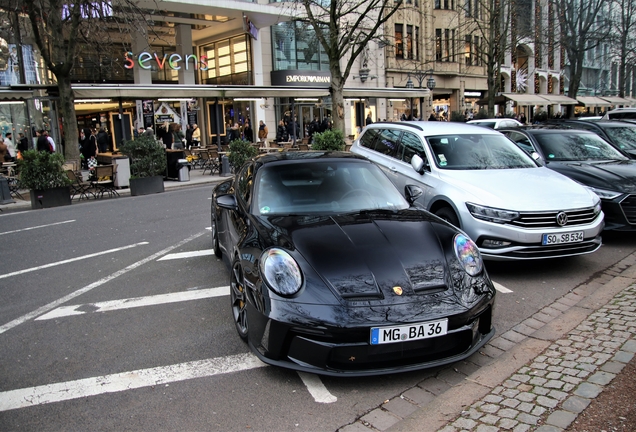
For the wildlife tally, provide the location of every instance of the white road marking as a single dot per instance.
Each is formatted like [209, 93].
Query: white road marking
[96, 284]
[191, 254]
[50, 393]
[501, 288]
[32, 269]
[128, 303]
[316, 388]
[36, 227]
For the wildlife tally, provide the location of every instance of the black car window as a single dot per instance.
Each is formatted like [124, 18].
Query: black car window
[521, 140]
[623, 136]
[244, 186]
[573, 146]
[368, 138]
[387, 142]
[411, 145]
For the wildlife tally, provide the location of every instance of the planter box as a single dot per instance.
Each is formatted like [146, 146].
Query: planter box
[50, 197]
[146, 185]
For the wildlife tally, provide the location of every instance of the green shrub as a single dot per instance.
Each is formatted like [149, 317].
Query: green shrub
[329, 140]
[40, 170]
[458, 116]
[240, 152]
[147, 156]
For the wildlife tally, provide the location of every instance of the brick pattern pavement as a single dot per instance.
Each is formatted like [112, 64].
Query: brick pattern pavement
[547, 393]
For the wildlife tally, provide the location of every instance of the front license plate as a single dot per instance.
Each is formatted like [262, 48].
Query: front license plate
[572, 237]
[405, 333]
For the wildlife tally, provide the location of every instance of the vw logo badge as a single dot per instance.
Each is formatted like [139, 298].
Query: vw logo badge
[561, 218]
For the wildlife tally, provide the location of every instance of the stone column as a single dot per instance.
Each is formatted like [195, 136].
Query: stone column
[184, 48]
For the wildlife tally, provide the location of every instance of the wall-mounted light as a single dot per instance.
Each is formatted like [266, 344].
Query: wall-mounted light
[91, 100]
[248, 99]
[306, 99]
[11, 103]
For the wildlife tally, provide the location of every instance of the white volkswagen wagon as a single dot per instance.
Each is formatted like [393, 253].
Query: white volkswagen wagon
[481, 182]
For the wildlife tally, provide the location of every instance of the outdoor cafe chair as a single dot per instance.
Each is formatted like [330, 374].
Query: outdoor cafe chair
[79, 186]
[104, 181]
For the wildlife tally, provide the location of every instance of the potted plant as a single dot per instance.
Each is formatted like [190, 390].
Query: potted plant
[147, 164]
[240, 152]
[329, 140]
[43, 174]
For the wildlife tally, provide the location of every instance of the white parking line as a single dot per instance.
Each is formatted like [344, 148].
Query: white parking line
[16, 322]
[32, 269]
[36, 227]
[316, 388]
[50, 393]
[128, 303]
[501, 288]
[190, 254]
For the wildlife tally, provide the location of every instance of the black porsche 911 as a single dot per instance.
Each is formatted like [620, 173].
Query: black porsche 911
[334, 272]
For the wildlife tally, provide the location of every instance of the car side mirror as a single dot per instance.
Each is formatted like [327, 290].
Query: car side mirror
[412, 193]
[537, 157]
[418, 164]
[227, 202]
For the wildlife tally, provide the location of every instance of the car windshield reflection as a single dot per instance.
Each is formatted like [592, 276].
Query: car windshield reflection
[577, 147]
[324, 188]
[477, 152]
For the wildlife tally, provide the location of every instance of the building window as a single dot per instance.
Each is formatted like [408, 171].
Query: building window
[296, 47]
[399, 43]
[409, 42]
[468, 50]
[447, 45]
[228, 62]
[467, 7]
[417, 43]
[438, 44]
[445, 4]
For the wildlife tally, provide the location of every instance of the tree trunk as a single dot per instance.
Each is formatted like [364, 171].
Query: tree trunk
[69, 122]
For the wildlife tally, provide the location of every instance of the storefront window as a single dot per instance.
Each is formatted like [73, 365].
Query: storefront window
[228, 62]
[296, 47]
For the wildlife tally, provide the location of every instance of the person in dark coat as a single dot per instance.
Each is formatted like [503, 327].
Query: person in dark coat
[368, 120]
[88, 146]
[248, 132]
[23, 143]
[281, 132]
[102, 140]
[188, 136]
[42, 143]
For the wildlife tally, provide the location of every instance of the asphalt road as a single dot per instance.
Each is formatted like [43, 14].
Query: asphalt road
[100, 331]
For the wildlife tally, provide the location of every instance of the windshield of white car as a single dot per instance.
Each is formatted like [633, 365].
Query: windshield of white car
[477, 152]
[324, 187]
[572, 146]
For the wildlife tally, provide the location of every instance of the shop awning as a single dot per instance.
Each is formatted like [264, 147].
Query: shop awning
[526, 99]
[615, 100]
[180, 91]
[557, 99]
[592, 101]
[8, 94]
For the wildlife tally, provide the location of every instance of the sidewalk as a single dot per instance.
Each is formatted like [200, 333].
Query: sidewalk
[197, 178]
[538, 376]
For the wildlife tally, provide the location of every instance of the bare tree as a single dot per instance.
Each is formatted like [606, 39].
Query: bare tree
[60, 29]
[344, 28]
[583, 27]
[623, 18]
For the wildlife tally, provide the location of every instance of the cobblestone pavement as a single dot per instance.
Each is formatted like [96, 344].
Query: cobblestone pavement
[536, 377]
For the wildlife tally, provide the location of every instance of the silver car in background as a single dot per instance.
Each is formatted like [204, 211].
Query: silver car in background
[478, 180]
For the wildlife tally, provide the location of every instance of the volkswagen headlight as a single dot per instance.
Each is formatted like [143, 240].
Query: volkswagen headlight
[491, 214]
[280, 272]
[468, 254]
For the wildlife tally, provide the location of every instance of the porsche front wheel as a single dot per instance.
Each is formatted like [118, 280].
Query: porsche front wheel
[238, 299]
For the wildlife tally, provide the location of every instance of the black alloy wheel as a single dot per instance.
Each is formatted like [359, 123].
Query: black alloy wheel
[238, 299]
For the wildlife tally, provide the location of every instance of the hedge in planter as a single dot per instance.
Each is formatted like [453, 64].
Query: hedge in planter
[329, 140]
[147, 164]
[43, 173]
[240, 152]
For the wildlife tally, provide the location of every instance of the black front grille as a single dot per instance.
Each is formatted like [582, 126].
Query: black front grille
[629, 208]
[549, 219]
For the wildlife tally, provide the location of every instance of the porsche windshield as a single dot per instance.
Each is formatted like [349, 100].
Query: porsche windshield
[477, 152]
[573, 146]
[325, 187]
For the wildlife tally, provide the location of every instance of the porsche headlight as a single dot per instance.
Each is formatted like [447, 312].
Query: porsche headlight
[468, 254]
[491, 214]
[280, 271]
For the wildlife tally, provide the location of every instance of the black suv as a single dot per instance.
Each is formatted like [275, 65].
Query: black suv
[587, 158]
[620, 134]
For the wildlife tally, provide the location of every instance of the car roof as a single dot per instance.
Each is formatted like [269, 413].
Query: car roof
[434, 127]
[312, 155]
[548, 129]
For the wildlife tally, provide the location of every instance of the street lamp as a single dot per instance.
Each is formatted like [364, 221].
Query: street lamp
[420, 76]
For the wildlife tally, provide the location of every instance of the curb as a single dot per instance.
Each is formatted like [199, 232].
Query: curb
[539, 375]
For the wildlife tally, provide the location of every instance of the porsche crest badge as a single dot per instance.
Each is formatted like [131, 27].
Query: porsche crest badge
[398, 290]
